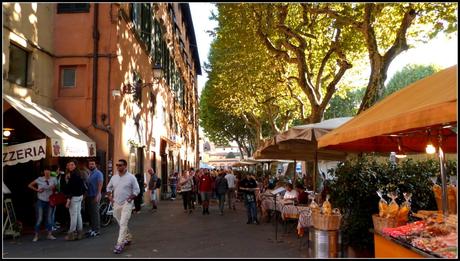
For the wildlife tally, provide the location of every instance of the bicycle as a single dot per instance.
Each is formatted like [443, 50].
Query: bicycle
[106, 212]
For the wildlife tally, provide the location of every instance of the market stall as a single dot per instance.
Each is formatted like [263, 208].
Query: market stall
[300, 143]
[423, 113]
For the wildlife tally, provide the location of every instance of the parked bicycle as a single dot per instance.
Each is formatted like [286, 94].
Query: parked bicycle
[106, 211]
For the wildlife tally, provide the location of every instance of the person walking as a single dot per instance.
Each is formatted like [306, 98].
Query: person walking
[231, 193]
[153, 185]
[173, 185]
[249, 185]
[44, 186]
[221, 189]
[186, 184]
[140, 198]
[205, 188]
[93, 197]
[122, 189]
[74, 193]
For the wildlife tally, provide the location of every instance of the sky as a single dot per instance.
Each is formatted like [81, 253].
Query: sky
[440, 51]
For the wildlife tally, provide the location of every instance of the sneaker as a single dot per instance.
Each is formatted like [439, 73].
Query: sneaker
[94, 234]
[118, 249]
[88, 233]
[256, 222]
[35, 238]
[50, 237]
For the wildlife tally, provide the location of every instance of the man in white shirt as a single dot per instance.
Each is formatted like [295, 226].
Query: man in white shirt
[231, 180]
[125, 188]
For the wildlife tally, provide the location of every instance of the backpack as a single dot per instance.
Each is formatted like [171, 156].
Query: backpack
[158, 183]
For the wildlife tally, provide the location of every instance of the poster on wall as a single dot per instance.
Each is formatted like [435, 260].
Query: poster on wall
[24, 152]
[72, 148]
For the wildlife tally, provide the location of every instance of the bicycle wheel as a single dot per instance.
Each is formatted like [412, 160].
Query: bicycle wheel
[106, 219]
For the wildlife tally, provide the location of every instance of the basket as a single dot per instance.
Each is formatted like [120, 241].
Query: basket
[380, 222]
[325, 222]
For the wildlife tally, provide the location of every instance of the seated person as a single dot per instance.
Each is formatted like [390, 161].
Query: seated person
[303, 196]
[291, 194]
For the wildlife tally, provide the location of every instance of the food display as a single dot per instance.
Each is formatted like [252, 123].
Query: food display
[393, 207]
[383, 204]
[451, 195]
[327, 208]
[403, 214]
[429, 235]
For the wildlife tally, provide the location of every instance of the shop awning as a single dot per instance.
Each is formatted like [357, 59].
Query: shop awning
[66, 139]
[411, 117]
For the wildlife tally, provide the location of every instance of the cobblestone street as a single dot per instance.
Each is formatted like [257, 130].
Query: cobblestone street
[170, 233]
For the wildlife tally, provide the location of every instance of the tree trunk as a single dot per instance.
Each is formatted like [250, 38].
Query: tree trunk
[375, 87]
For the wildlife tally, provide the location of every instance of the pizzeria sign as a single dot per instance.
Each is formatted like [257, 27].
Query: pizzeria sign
[24, 152]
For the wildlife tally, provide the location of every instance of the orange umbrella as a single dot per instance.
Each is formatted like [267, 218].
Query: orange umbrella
[406, 121]
[412, 116]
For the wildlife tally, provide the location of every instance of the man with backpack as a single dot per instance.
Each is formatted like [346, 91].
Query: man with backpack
[154, 184]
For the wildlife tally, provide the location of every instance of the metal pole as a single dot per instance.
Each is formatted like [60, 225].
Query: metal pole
[443, 179]
[295, 173]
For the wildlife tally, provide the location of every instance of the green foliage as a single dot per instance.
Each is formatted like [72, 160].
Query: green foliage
[346, 106]
[356, 181]
[409, 74]
[219, 126]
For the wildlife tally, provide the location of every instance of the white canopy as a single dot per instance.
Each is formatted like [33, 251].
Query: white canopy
[66, 139]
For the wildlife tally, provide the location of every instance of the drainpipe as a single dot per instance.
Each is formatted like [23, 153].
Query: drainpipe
[95, 78]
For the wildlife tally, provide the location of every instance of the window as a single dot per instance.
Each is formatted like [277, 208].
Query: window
[19, 65]
[141, 17]
[68, 77]
[72, 8]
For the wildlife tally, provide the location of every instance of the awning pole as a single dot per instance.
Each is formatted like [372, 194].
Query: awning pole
[442, 163]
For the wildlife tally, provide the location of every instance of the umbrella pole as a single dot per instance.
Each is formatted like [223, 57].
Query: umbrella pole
[443, 180]
[315, 164]
[294, 178]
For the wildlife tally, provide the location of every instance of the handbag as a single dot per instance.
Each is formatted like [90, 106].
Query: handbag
[57, 199]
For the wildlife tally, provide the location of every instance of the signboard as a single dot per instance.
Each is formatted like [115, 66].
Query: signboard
[72, 148]
[24, 152]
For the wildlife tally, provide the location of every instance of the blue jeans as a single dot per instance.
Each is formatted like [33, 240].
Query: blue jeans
[43, 207]
[173, 191]
[250, 203]
[221, 198]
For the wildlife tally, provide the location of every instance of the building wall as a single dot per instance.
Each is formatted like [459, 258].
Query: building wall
[133, 123]
[29, 26]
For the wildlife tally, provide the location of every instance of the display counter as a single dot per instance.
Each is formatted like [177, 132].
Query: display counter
[388, 247]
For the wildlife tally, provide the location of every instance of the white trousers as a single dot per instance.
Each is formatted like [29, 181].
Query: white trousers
[122, 214]
[75, 214]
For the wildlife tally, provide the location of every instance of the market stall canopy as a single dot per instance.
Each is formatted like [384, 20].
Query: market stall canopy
[410, 118]
[299, 142]
[66, 139]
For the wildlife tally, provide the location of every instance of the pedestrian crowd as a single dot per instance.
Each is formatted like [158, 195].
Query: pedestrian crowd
[66, 197]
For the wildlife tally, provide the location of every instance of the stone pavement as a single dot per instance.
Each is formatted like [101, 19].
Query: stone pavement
[171, 233]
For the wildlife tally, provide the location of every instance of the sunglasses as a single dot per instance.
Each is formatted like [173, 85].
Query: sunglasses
[119, 165]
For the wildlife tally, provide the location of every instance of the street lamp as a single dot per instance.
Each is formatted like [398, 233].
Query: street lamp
[137, 86]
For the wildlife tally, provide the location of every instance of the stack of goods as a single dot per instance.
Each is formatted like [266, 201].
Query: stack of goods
[388, 214]
[431, 236]
[451, 196]
[326, 218]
